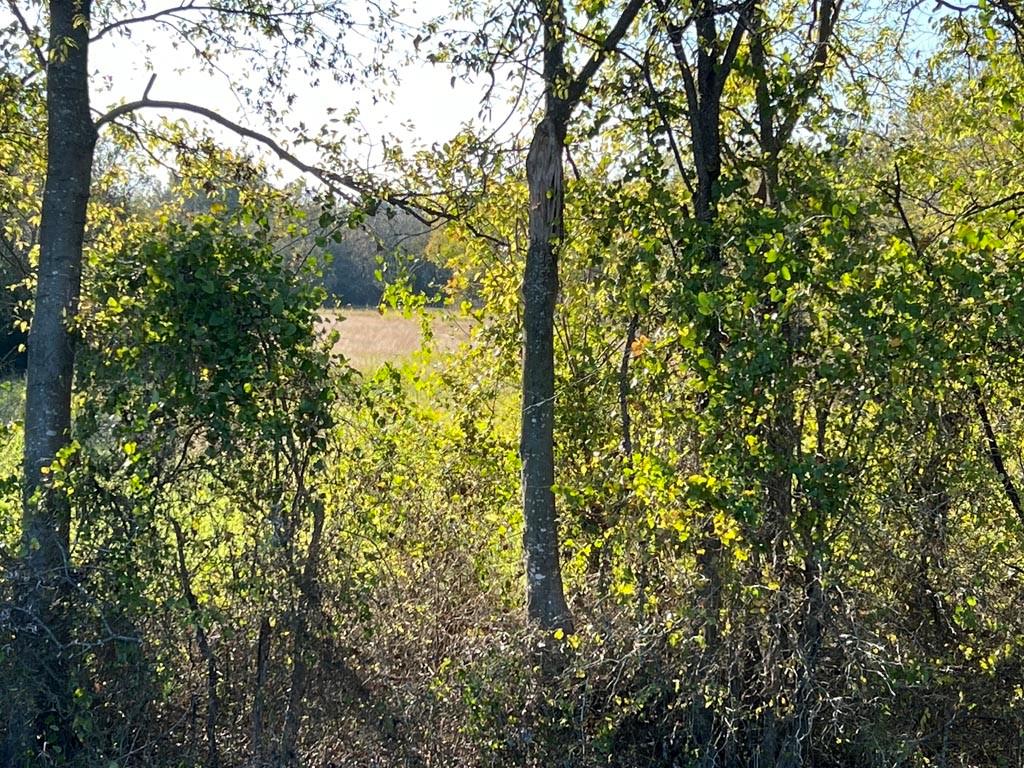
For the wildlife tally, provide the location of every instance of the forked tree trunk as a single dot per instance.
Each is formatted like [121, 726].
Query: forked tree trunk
[545, 596]
[775, 130]
[703, 88]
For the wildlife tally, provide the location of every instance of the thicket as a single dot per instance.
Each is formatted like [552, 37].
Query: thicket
[787, 435]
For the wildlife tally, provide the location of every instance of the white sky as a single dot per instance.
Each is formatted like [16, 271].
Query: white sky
[424, 98]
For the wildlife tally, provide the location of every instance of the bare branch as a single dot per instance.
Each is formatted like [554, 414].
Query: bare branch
[733, 47]
[328, 177]
[579, 84]
[191, 6]
[675, 35]
[896, 198]
[344, 185]
[828, 14]
[995, 455]
[663, 116]
[29, 36]
[120, 23]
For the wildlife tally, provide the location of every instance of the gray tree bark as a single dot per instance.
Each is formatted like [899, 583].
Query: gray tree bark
[71, 139]
[545, 594]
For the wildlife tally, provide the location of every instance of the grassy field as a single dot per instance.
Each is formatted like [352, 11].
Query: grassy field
[368, 339]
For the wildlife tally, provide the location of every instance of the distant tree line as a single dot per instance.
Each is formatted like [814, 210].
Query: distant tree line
[390, 245]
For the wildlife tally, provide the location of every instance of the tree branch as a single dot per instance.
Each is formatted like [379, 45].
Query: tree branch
[328, 177]
[192, 6]
[579, 84]
[994, 454]
[29, 37]
[627, 353]
[675, 35]
[659, 106]
[342, 184]
[827, 16]
[140, 19]
[896, 197]
[733, 47]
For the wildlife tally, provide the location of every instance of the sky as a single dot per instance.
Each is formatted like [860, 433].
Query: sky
[423, 109]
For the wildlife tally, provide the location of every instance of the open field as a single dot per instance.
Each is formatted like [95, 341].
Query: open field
[368, 339]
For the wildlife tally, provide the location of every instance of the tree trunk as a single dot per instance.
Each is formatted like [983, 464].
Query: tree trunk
[259, 681]
[703, 90]
[299, 627]
[545, 597]
[706, 123]
[774, 133]
[71, 139]
[203, 642]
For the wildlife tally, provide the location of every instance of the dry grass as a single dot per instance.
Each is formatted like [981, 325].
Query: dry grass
[368, 339]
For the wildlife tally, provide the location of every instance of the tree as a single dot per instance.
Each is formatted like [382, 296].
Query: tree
[314, 31]
[545, 596]
[507, 42]
[71, 139]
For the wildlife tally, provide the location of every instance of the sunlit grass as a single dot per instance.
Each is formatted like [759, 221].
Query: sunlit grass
[12, 404]
[369, 339]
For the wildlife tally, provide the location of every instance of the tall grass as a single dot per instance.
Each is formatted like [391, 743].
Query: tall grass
[368, 339]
